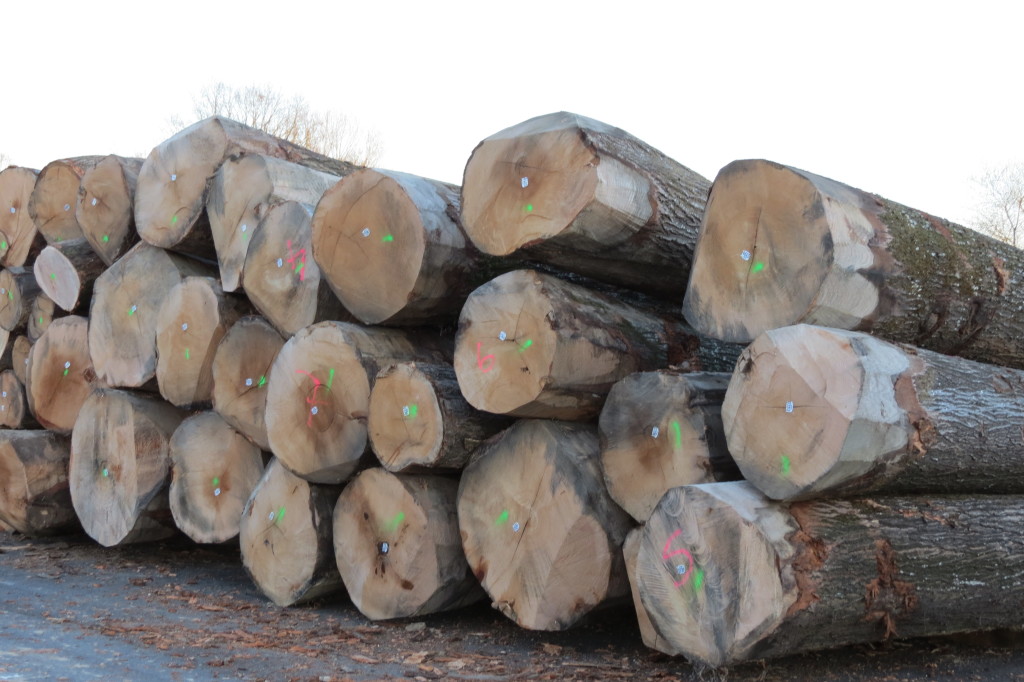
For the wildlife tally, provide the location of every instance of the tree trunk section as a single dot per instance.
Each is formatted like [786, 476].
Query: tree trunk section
[18, 288]
[106, 201]
[287, 537]
[21, 347]
[781, 246]
[121, 467]
[420, 422]
[174, 180]
[727, 575]
[648, 633]
[586, 197]
[241, 369]
[317, 427]
[215, 469]
[19, 238]
[55, 195]
[14, 412]
[35, 496]
[660, 430]
[539, 529]
[280, 276]
[60, 375]
[42, 313]
[192, 320]
[396, 541]
[126, 301]
[242, 192]
[66, 272]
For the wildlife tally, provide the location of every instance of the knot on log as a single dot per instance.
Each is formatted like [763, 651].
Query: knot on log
[886, 597]
[812, 552]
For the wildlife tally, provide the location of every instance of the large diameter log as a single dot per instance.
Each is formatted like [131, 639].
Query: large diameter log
[532, 345]
[121, 467]
[215, 470]
[660, 430]
[18, 288]
[812, 410]
[241, 193]
[65, 272]
[35, 496]
[280, 276]
[174, 180]
[60, 374]
[42, 313]
[55, 196]
[287, 538]
[14, 412]
[781, 246]
[192, 320]
[396, 542]
[393, 250]
[241, 367]
[727, 576]
[19, 238]
[126, 302]
[319, 392]
[587, 197]
[419, 420]
[106, 201]
[539, 529]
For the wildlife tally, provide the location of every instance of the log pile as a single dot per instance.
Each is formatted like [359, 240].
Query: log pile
[528, 389]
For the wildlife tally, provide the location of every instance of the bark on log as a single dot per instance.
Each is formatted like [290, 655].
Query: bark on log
[648, 633]
[280, 276]
[14, 412]
[121, 467]
[35, 496]
[106, 202]
[192, 320]
[396, 541]
[393, 250]
[215, 469]
[539, 529]
[55, 195]
[588, 198]
[660, 430]
[241, 369]
[18, 287]
[66, 273]
[126, 300]
[317, 427]
[60, 375]
[42, 313]
[174, 180]
[420, 422]
[21, 347]
[242, 192]
[781, 246]
[811, 410]
[531, 345]
[727, 575]
[287, 537]
[19, 238]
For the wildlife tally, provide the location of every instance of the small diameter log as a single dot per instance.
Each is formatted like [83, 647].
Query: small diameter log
[43, 312]
[215, 469]
[66, 272]
[396, 541]
[55, 196]
[588, 198]
[648, 633]
[21, 347]
[539, 529]
[419, 420]
[35, 496]
[811, 411]
[319, 392]
[280, 276]
[287, 537]
[660, 430]
[392, 248]
[14, 412]
[727, 575]
[60, 375]
[121, 467]
[106, 201]
[126, 301]
[174, 180]
[18, 288]
[192, 320]
[241, 368]
[242, 192]
[19, 238]
[780, 246]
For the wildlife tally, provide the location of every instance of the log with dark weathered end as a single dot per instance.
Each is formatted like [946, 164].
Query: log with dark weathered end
[41, 314]
[106, 202]
[35, 496]
[18, 288]
[55, 195]
[19, 238]
[66, 272]
[60, 374]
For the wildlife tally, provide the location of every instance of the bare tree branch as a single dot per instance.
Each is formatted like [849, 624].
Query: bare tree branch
[1000, 211]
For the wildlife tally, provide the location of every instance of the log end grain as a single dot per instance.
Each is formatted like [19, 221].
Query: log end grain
[18, 229]
[106, 200]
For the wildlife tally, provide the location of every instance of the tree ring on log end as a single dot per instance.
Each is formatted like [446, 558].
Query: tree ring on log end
[406, 424]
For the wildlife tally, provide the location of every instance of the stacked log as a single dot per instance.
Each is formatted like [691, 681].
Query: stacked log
[19, 238]
[106, 201]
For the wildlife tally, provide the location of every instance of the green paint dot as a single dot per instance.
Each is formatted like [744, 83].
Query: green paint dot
[40, 320]
[396, 522]
[502, 518]
[280, 514]
[216, 481]
[388, 238]
[106, 238]
[3, 245]
[10, 295]
[186, 354]
[409, 411]
[785, 465]
[53, 276]
[529, 208]
[757, 267]
[106, 474]
[65, 372]
[263, 380]
[174, 220]
[526, 344]
[698, 579]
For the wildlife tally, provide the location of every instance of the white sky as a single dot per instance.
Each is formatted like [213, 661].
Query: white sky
[906, 99]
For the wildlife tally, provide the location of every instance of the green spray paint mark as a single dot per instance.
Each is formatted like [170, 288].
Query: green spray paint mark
[106, 238]
[785, 465]
[503, 518]
[394, 523]
[409, 411]
[216, 481]
[3, 245]
[174, 220]
[186, 354]
[263, 380]
[387, 238]
[53, 276]
[280, 515]
[66, 372]
[757, 267]
[298, 268]
[106, 474]
[529, 208]
[40, 320]
[526, 344]
[698, 579]
[330, 378]
[10, 295]
[678, 434]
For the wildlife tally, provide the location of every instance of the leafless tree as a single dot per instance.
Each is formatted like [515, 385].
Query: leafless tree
[332, 133]
[1000, 210]
[5, 160]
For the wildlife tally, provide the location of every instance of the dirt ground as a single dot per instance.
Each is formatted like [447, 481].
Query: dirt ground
[72, 610]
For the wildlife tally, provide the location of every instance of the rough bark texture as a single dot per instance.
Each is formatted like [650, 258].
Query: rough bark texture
[587, 197]
[35, 496]
[539, 529]
[14, 412]
[19, 238]
[780, 246]
[65, 272]
[106, 201]
[18, 288]
[60, 374]
[55, 195]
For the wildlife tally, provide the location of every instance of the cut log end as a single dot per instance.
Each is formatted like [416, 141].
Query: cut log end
[405, 424]
[55, 196]
[105, 206]
[16, 225]
[60, 374]
[34, 491]
[16, 293]
[58, 278]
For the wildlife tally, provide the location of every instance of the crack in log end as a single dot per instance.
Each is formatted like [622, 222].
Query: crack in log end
[1002, 276]
[811, 555]
[886, 597]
